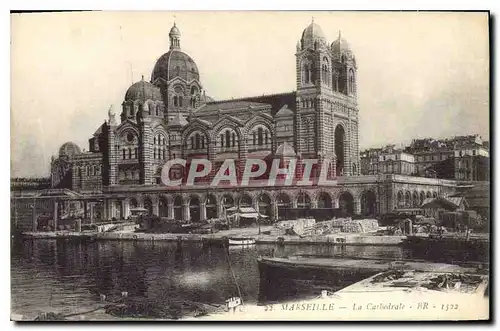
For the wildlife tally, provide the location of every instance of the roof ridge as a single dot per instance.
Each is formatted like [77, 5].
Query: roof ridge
[250, 97]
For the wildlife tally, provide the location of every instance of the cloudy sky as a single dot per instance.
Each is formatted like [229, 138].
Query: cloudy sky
[419, 75]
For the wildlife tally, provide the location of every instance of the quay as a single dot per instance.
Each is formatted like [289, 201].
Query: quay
[359, 239]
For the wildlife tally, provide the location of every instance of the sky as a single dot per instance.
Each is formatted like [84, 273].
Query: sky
[419, 74]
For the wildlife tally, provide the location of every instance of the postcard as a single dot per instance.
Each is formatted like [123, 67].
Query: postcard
[230, 165]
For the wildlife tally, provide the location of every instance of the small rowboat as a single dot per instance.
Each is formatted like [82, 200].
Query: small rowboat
[241, 241]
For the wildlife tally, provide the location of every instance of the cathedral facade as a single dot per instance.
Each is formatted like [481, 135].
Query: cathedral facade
[171, 116]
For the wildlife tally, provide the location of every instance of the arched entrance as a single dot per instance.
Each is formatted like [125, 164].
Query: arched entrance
[178, 208]
[133, 203]
[118, 210]
[148, 205]
[434, 194]
[415, 199]
[324, 200]
[368, 203]
[246, 201]
[194, 209]
[303, 201]
[339, 149]
[163, 207]
[227, 202]
[211, 207]
[401, 199]
[407, 199]
[346, 203]
[428, 194]
[283, 203]
[265, 207]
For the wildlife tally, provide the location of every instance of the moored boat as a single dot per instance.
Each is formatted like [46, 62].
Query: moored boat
[309, 274]
[241, 241]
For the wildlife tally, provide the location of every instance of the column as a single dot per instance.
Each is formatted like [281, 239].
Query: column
[357, 206]
[170, 211]
[335, 203]
[185, 208]
[91, 212]
[85, 212]
[124, 206]
[34, 220]
[220, 209]
[203, 211]
[56, 206]
[156, 208]
[256, 204]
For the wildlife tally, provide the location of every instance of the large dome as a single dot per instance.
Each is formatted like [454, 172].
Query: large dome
[69, 149]
[143, 91]
[175, 63]
[312, 34]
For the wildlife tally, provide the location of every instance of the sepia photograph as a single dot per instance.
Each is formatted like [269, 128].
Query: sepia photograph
[250, 166]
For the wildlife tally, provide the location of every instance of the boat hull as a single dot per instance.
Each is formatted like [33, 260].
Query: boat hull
[280, 281]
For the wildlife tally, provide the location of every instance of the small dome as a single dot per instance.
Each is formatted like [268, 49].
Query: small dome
[174, 31]
[340, 44]
[285, 150]
[175, 63]
[143, 91]
[312, 34]
[69, 149]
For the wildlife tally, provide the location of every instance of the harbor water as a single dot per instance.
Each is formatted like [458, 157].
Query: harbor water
[64, 276]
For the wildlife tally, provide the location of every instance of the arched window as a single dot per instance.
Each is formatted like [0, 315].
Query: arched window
[192, 142]
[154, 153]
[351, 81]
[335, 81]
[135, 152]
[260, 137]
[325, 72]
[124, 154]
[198, 141]
[233, 136]
[228, 141]
[222, 140]
[180, 101]
[266, 136]
[202, 141]
[130, 153]
[306, 73]
[254, 136]
[175, 101]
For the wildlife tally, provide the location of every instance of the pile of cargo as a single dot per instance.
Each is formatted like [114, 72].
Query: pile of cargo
[355, 226]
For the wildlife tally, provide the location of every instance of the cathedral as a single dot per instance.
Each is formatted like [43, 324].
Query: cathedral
[171, 116]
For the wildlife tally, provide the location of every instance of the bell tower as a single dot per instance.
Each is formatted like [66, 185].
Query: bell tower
[327, 113]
